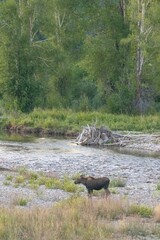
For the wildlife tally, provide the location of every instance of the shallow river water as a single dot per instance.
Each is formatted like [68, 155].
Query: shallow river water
[63, 157]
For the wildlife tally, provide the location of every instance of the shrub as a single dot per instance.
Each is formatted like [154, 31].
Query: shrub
[20, 201]
[69, 186]
[117, 183]
[53, 183]
[19, 179]
[143, 211]
[9, 178]
[6, 183]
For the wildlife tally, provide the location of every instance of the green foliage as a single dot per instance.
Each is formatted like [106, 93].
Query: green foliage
[81, 54]
[22, 80]
[9, 178]
[68, 120]
[122, 100]
[6, 183]
[143, 211]
[34, 180]
[19, 179]
[158, 187]
[53, 183]
[117, 183]
[21, 202]
[69, 185]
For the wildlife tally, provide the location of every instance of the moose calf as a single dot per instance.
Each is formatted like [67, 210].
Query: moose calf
[92, 183]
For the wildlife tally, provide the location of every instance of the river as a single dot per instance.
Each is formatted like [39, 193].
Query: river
[63, 157]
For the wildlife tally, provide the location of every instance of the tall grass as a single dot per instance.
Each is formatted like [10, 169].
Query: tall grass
[69, 120]
[75, 218]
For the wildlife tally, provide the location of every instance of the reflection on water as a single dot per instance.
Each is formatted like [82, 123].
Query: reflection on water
[17, 142]
[136, 152]
[15, 137]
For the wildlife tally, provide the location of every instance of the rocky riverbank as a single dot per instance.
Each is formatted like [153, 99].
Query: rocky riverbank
[145, 142]
[141, 174]
[42, 197]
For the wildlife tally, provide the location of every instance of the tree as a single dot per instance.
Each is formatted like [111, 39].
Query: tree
[141, 29]
[105, 58]
[81, 54]
[66, 29]
[153, 49]
[24, 52]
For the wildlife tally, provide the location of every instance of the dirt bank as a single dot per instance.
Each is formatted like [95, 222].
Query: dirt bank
[23, 130]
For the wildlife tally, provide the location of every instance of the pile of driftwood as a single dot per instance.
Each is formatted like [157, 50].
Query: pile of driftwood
[91, 135]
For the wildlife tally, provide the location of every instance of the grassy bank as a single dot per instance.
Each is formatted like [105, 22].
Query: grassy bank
[79, 218]
[69, 121]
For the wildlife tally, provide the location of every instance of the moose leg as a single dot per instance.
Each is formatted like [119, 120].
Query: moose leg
[107, 192]
[90, 193]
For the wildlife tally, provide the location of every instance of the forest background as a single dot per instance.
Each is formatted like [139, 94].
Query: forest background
[82, 55]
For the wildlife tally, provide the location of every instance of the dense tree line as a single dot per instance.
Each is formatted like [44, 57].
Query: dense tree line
[94, 54]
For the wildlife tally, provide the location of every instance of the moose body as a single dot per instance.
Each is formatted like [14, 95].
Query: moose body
[92, 183]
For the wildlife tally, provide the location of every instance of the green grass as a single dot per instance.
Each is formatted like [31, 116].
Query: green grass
[70, 121]
[20, 202]
[117, 182]
[26, 178]
[158, 187]
[141, 210]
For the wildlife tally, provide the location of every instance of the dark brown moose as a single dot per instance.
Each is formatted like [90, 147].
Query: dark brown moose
[92, 183]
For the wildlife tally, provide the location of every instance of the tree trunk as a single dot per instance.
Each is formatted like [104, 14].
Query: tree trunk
[142, 37]
[140, 54]
[122, 6]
